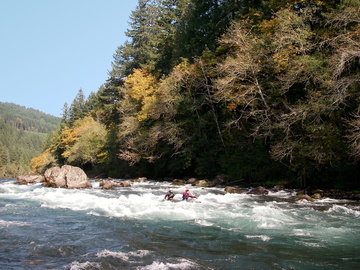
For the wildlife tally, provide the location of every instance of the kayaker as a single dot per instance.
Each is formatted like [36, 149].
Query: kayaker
[187, 195]
[170, 195]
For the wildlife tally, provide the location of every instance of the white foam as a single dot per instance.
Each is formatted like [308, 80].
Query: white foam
[85, 265]
[281, 194]
[311, 244]
[344, 210]
[204, 223]
[128, 257]
[268, 216]
[145, 201]
[264, 238]
[181, 264]
[329, 200]
[6, 223]
[301, 232]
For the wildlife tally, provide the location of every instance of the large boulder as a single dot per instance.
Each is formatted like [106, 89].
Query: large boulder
[30, 178]
[66, 177]
[54, 178]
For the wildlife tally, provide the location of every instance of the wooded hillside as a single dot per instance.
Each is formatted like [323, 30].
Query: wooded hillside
[23, 132]
[260, 90]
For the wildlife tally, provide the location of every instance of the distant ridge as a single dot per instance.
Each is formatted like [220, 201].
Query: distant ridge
[23, 133]
[28, 119]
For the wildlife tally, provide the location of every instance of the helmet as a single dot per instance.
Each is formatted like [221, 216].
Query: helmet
[186, 190]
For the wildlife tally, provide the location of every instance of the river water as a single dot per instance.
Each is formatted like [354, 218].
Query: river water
[134, 228]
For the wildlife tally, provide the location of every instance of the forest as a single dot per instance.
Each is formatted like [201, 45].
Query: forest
[23, 132]
[261, 91]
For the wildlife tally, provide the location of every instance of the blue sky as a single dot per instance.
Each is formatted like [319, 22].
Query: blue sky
[52, 48]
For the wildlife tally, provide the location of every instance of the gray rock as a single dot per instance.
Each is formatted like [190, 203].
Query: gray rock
[30, 178]
[259, 191]
[237, 190]
[66, 177]
[124, 184]
[140, 179]
[201, 183]
[106, 184]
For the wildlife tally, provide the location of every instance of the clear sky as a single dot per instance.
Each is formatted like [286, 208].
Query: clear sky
[52, 48]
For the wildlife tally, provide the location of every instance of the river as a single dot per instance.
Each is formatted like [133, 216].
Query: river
[134, 228]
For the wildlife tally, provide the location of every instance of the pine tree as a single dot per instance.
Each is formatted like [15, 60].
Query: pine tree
[141, 51]
[203, 23]
[65, 114]
[77, 107]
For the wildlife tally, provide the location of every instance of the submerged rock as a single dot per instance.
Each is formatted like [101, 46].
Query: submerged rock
[125, 184]
[140, 179]
[259, 191]
[304, 197]
[30, 178]
[237, 190]
[107, 184]
[191, 180]
[178, 182]
[201, 183]
[316, 196]
[278, 188]
[66, 177]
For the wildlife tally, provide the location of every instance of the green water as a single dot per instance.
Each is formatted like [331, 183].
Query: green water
[133, 228]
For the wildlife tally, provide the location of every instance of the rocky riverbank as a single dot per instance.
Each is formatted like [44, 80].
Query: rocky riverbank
[307, 194]
[52, 177]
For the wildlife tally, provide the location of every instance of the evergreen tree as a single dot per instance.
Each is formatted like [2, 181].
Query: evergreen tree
[172, 13]
[203, 23]
[226, 86]
[65, 114]
[77, 108]
[141, 51]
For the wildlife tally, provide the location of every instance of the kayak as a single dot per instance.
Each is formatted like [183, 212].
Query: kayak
[188, 201]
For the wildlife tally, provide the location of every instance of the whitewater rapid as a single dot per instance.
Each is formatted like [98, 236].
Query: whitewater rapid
[134, 228]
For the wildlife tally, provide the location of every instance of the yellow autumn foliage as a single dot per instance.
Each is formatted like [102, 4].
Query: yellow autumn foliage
[44, 160]
[86, 141]
[142, 87]
[140, 84]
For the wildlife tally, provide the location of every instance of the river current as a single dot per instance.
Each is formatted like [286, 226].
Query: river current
[134, 228]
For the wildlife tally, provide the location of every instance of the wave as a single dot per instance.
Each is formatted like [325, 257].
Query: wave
[145, 201]
[84, 266]
[140, 260]
[7, 223]
[264, 238]
[344, 210]
[130, 256]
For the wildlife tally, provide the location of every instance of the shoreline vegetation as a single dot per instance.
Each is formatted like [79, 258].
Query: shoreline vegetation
[263, 91]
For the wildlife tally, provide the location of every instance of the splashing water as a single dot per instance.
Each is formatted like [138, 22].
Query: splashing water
[134, 228]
